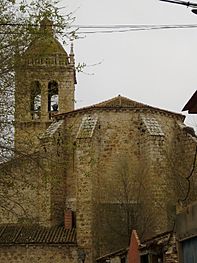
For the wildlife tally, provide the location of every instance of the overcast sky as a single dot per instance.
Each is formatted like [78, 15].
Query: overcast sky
[157, 67]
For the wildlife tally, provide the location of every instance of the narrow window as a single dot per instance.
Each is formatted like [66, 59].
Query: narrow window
[35, 101]
[52, 97]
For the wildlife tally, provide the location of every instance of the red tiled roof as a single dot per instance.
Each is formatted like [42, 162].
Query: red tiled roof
[34, 234]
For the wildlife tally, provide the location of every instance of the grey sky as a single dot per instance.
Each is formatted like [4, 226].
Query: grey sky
[158, 68]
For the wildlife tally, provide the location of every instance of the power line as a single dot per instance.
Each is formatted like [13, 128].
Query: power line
[127, 26]
[116, 26]
[142, 28]
[106, 29]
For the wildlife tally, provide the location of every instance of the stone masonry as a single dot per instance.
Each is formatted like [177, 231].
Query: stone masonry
[116, 166]
[38, 254]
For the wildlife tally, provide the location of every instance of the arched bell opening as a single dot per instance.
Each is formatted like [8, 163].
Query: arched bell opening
[35, 100]
[52, 98]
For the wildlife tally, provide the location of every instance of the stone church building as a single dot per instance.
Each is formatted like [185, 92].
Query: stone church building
[81, 179]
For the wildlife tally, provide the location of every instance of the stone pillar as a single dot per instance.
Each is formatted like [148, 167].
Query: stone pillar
[62, 103]
[155, 182]
[44, 101]
[84, 196]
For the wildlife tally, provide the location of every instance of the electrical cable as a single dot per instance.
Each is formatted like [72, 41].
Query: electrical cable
[129, 28]
[137, 29]
[107, 29]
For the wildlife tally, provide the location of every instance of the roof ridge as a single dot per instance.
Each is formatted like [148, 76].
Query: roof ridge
[108, 104]
[120, 98]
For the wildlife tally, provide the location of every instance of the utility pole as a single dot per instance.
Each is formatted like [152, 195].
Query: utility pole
[188, 4]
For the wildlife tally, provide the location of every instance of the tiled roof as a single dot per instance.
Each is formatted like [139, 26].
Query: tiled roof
[158, 240]
[34, 234]
[118, 253]
[120, 102]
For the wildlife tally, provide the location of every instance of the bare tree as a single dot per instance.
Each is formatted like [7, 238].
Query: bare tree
[19, 26]
[123, 205]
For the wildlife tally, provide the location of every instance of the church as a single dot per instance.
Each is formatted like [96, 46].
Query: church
[82, 179]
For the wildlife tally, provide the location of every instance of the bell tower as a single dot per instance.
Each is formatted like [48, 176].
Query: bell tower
[44, 86]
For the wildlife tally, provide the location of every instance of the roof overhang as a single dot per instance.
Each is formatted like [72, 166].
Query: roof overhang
[191, 105]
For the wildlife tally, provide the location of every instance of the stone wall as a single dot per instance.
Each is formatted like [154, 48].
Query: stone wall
[80, 172]
[38, 254]
[53, 145]
[35, 184]
[110, 166]
[171, 255]
[122, 138]
[27, 136]
[25, 192]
